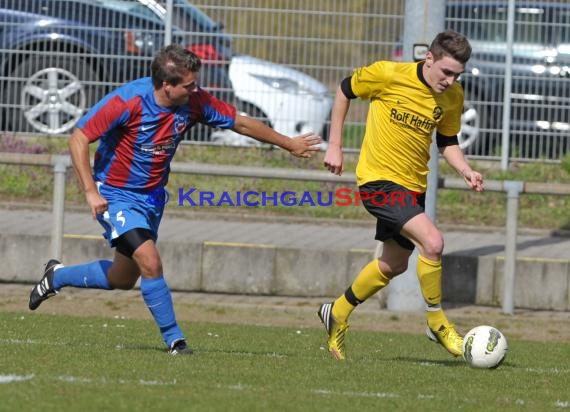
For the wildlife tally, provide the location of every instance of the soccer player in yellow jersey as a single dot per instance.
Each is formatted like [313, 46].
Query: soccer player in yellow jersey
[408, 102]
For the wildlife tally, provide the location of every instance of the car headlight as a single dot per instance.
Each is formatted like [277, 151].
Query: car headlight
[282, 83]
[137, 42]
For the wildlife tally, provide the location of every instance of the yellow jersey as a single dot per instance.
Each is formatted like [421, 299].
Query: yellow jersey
[403, 114]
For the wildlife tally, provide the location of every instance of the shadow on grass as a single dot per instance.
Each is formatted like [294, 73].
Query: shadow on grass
[450, 362]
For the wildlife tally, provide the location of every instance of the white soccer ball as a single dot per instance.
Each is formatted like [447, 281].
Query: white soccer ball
[484, 347]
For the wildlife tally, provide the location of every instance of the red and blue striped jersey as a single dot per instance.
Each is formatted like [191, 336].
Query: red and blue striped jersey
[138, 138]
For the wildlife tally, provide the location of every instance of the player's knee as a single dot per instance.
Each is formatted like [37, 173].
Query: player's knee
[151, 267]
[433, 246]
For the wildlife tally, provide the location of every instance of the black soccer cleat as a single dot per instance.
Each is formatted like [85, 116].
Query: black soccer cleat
[44, 289]
[180, 347]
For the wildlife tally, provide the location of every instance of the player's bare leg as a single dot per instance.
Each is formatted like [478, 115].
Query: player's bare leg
[429, 241]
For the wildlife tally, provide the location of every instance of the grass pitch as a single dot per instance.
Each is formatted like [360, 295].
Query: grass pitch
[66, 363]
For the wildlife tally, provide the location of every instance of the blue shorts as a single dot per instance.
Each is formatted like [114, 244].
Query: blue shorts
[128, 210]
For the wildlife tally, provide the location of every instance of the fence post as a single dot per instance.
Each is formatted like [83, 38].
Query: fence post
[425, 19]
[514, 189]
[60, 165]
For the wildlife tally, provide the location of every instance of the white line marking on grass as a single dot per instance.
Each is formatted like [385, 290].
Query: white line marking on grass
[357, 394]
[267, 354]
[554, 371]
[562, 404]
[31, 342]
[421, 396]
[427, 363]
[155, 383]
[73, 379]
[79, 379]
[14, 378]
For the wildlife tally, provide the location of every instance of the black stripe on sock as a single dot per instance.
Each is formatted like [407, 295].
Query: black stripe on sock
[353, 300]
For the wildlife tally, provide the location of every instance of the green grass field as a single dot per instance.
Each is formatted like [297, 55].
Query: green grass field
[65, 363]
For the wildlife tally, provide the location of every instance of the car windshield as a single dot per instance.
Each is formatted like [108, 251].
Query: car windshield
[184, 15]
[130, 7]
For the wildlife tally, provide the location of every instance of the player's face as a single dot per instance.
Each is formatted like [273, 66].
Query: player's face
[442, 73]
[179, 94]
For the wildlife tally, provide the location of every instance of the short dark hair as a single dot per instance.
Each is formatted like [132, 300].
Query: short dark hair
[171, 63]
[451, 43]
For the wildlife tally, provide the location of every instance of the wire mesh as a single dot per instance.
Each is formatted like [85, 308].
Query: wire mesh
[281, 62]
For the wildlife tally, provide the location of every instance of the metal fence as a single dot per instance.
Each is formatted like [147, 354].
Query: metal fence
[512, 189]
[57, 57]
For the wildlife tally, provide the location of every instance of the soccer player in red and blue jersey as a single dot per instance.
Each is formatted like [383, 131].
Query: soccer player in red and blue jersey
[139, 126]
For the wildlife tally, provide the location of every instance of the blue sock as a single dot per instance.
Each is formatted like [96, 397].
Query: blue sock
[90, 275]
[157, 297]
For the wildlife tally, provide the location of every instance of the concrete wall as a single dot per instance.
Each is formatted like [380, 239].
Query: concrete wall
[265, 269]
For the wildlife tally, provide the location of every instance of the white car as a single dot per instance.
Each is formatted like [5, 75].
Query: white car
[289, 101]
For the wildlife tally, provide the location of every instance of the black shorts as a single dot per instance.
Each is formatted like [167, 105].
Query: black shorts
[392, 205]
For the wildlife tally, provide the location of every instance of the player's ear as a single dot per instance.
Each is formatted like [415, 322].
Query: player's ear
[429, 59]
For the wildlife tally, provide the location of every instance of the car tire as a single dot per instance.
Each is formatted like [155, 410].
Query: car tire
[50, 94]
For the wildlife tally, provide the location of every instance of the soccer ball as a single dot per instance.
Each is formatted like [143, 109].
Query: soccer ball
[484, 347]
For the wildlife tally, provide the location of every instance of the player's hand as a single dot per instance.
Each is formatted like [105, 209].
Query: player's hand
[304, 145]
[334, 160]
[97, 203]
[474, 180]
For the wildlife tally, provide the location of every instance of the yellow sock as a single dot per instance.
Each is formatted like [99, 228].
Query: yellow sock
[429, 275]
[369, 281]
[436, 318]
[342, 308]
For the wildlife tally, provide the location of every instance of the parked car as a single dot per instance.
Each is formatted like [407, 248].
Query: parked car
[540, 86]
[288, 100]
[58, 57]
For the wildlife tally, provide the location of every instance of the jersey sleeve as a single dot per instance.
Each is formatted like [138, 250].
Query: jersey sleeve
[109, 113]
[369, 81]
[450, 125]
[212, 111]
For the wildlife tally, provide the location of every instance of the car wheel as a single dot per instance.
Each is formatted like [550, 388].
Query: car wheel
[470, 125]
[478, 135]
[248, 109]
[49, 96]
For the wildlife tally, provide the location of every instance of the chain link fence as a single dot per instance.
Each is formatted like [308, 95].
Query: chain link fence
[281, 61]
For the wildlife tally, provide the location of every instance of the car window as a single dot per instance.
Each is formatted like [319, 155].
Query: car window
[189, 15]
[488, 23]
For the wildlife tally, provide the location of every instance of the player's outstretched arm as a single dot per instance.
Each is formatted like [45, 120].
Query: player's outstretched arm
[300, 146]
[333, 160]
[79, 151]
[454, 156]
